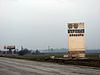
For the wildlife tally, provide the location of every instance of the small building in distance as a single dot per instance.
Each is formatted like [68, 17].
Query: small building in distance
[76, 40]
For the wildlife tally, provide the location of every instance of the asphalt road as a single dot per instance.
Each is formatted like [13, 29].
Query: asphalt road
[23, 67]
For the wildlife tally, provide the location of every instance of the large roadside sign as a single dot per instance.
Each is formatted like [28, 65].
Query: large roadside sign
[9, 47]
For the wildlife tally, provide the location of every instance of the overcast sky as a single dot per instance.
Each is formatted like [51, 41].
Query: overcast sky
[42, 23]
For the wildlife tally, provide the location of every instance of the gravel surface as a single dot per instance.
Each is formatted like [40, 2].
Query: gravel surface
[24, 67]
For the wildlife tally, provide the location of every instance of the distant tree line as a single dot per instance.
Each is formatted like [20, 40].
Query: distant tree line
[26, 51]
[21, 52]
